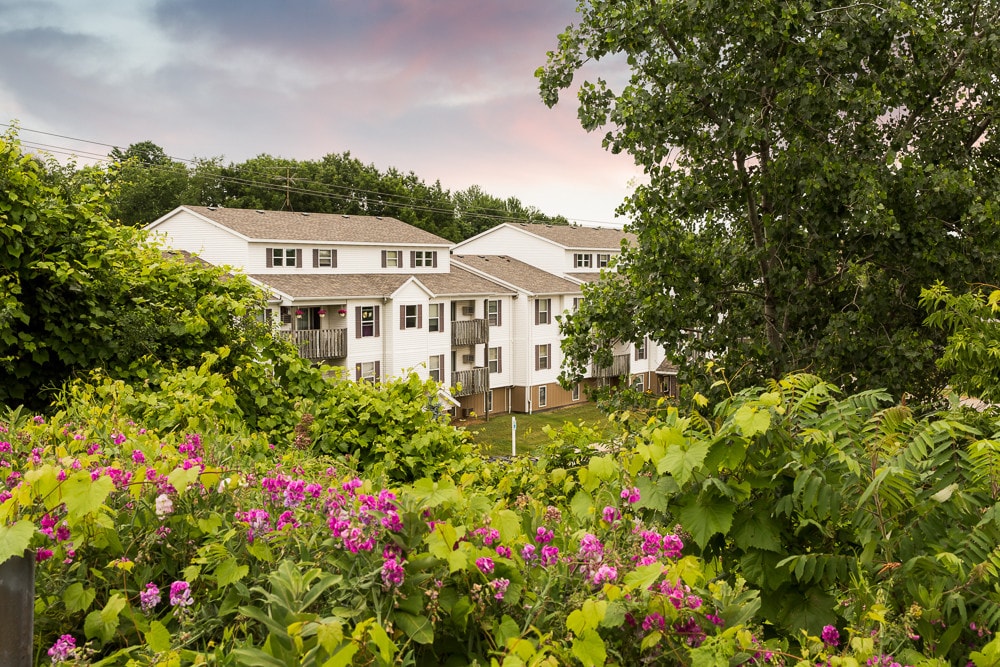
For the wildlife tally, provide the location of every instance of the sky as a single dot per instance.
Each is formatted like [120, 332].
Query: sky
[442, 88]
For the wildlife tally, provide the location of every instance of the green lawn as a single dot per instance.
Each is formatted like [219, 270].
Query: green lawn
[494, 435]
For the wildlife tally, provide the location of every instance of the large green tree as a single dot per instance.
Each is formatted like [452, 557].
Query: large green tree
[146, 183]
[812, 164]
[79, 292]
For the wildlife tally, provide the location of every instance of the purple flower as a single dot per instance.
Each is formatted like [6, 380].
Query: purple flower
[528, 552]
[550, 555]
[590, 546]
[392, 572]
[180, 594]
[604, 573]
[138, 457]
[611, 514]
[150, 597]
[499, 587]
[43, 555]
[485, 564]
[543, 535]
[63, 649]
[504, 552]
[830, 636]
[652, 621]
[631, 494]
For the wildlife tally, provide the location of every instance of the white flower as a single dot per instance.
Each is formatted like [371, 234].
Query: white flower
[164, 505]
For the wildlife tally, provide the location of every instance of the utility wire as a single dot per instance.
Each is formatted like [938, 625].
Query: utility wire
[323, 190]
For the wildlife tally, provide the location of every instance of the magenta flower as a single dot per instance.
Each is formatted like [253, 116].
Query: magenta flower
[605, 573]
[499, 587]
[485, 564]
[631, 494]
[43, 555]
[180, 594]
[830, 636]
[550, 555]
[392, 572]
[528, 552]
[654, 621]
[504, 552]
[63, 649]
[543, 535]
[149, 598]
[611, 514]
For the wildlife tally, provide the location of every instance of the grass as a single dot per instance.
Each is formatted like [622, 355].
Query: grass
[494, 435]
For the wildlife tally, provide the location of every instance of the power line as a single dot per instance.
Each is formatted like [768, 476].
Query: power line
[390, 199]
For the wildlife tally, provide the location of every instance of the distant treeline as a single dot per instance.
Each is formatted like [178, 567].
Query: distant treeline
[148, 183]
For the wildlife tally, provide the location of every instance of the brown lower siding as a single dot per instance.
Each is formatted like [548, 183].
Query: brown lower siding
[557, 397]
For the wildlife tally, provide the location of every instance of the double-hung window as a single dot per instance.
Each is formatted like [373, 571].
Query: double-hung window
[640, 350]
[366, 322]
[493, 312]
[435, 367]
[434, 312]
[543, 311]
[392, 259]
[367, 371]
[543, 357]
[603, 259]
[283, 257]
[410, 316]
[583, 260]
[423, 259]
[325, 257]
[493, 360]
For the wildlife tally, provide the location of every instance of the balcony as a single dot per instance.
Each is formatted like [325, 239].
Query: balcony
[475, 381]
[319, 343]
[469, 332]
[619, 367]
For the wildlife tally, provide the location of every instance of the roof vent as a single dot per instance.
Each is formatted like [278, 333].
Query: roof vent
[305, 214]
[260, 211]
[378, 217]
[211, 208]
[345, 216]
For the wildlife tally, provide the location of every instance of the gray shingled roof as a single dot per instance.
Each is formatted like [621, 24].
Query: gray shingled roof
[529, 278]
[334, 286]
[583, 238]
[461, 282]
[591, 277]
[288, 226]
[458, 282]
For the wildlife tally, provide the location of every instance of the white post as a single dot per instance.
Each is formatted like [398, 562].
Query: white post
[513, 436]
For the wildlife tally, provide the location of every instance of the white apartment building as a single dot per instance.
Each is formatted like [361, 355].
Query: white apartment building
[381, 298]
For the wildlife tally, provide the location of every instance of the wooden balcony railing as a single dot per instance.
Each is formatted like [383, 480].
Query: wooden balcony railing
[469, 332]
[319, 343]
[619, 366]
[475, 381]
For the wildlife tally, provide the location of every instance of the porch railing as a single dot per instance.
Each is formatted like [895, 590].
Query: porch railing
[319, 343]
[469, 332]
[475, 381]
[619, 366]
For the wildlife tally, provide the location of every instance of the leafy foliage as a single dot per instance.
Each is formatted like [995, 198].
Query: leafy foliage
[80, 293]
[811, 167]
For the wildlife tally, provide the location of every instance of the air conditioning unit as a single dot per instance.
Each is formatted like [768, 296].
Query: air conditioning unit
[468, 310]
[469, 358]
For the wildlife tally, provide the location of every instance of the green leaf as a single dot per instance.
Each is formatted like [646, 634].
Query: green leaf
[83, 495]
[417, 628]
[158, 637]
[581, 504]
[181, 479]
[589, 649]
[751, 421]
[15, 539]
[382, 641]
[77, 598]
[643, 576]
[705, 516]
[757, 530]
[230, 571]
[603, 467]
[681, 463]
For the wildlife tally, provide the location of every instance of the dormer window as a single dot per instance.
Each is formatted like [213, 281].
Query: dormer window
[582, 260]
[284, 257]
[423, 259]
[325, 257]
[603, 260]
